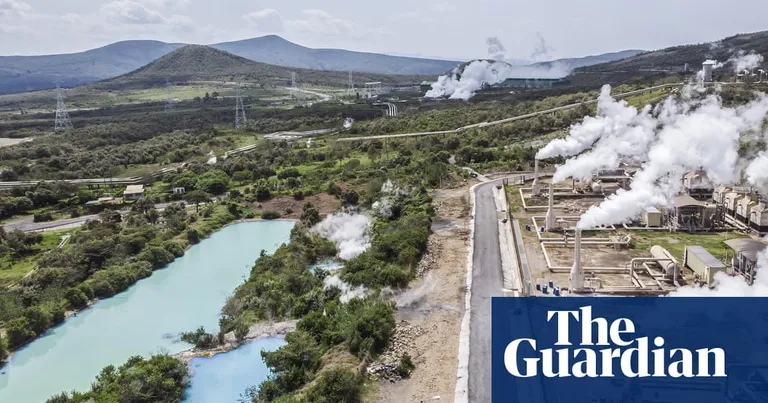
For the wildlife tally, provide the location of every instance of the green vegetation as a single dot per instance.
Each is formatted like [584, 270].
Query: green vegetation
[159, 379]
[405, 367]
[676, 242]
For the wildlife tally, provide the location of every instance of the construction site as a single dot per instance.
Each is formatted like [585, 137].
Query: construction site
[704, 231]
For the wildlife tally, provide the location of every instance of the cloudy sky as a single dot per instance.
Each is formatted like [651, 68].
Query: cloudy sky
[456, 29]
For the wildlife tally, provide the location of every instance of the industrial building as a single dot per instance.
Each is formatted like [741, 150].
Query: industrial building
[745, 252]
[530, 83]
[703, 264]
[698, 186]
[133, 192]
[689, 214]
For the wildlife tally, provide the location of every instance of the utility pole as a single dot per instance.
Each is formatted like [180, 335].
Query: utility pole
[351, 85]
[62, 122]
[168, 100]
[240, 118]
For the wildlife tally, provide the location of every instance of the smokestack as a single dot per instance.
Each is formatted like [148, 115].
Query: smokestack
[536, 187]
[550, 220]
[577, 272]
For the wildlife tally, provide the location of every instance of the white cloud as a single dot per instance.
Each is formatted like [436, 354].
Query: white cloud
[412, 15]
[323, 23]
[266, 20]
[166, 4]
[13, 7]
[131, 12]
[443, 8]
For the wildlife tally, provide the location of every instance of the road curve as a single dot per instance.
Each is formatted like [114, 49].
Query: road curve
[487, 282]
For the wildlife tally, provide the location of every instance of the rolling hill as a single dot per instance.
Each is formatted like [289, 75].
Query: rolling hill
[663, 62]
[27, 73]
[273, 49]
[200, 63]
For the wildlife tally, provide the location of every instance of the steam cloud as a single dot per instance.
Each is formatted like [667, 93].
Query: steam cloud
[745, 61]
[736, 286]
[462, 84]
[757, 172]
[350, 233]
[348, 292]
[495, 48]
[541, 49]
[679, 136]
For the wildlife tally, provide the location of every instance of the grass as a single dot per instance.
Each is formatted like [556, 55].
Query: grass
[676, 242]
[13, 271]
[640, 101]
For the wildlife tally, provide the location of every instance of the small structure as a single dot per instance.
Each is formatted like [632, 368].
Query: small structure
[425, 86]
[745, 252]
[744, 208]
[179, 191]
[373, 89]
[703, 264]
[758, 218]
[719, 194]
[133, 192]
[732, 200]
[706, 68]
[698, 186]
[688, 213]
[652, 217]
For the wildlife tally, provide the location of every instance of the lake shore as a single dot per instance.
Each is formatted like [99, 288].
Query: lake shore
[258, 331]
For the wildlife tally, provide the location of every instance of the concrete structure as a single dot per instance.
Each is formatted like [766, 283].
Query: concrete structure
[373, 89]
[758, 218]
[551, 219]
[732, 200]
[745, 253]
[536, 187]
[104, 200]
[577, 271]
[652, 217]
[744, 208]
[703, 264]
[133, 192]
[179, 191]
[707, 67]
[529, 83]
[688, 214]
[698, 186]
[719, 194]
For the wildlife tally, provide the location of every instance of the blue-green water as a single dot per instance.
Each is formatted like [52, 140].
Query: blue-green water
[224, 377]
[145, 319]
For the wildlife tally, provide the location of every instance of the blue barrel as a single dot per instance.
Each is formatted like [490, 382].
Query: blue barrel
[544, 289]
[551, 284]
[538, 287]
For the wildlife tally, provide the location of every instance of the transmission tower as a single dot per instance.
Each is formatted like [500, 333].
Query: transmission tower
[240, 119]
[351, 85]
[63, 122]
[168, 100]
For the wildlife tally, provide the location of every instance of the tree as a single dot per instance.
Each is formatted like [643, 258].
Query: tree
[336, 385]
[3, 352]
[197, 197]
[76, 298]
[18, 332]
[38, 319]
[309, 215]
[215, 182]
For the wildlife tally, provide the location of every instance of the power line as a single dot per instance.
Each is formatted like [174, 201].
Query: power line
[240, 119]
[62, 122]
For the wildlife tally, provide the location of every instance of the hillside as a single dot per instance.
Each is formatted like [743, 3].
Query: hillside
[576, 62]
[197, 62]
[275, 50]
[672, 60]
[28, 73]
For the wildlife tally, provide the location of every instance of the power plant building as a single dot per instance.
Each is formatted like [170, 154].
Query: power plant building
[529, 83]
[698, 186]
[745, 253]
[703, 264]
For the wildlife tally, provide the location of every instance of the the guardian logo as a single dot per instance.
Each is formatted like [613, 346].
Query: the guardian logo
[622, 355]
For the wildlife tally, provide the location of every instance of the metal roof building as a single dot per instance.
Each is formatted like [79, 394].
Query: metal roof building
[745, 252]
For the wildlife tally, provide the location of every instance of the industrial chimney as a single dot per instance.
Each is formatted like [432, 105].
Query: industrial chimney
[577, 272]
[536, 190]
[551, 219]
[707, 67]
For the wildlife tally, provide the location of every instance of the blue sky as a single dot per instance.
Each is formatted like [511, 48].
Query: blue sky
[445, 28]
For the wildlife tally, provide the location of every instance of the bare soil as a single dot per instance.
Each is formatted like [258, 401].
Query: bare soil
[434, 321]
[289, 207]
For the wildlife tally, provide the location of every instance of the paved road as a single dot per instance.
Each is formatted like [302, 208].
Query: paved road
[27, 224]
[487, 282]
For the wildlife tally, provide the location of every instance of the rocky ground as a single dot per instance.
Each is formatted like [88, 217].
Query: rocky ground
[429, 314]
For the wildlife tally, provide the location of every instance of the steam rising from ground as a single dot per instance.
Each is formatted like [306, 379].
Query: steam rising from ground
[757, 172]
[679, 136]
[463, 84]
[350, 233]
[745, 61]
[495, 48]
[348, 292]
[727, 286]
[390, 195]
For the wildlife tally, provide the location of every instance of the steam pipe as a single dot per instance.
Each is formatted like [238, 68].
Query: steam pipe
[536, 189]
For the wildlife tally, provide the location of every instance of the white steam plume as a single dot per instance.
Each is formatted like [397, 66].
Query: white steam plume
[348, 291]
[462, 84]
[350, 233]
[745, 61]
[757, 172]
[702, 136]
[540, 49]
[613, 117]
[390, 194]
[495, 48]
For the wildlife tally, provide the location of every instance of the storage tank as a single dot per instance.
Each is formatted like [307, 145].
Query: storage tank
[707, 68]
[667, 262]
[597, 188]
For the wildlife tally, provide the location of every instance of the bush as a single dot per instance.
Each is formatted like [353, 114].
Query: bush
[270, 215]
[42, 217]
[193, 236]
[3, 352]
[176, 248]
[18, 332]
[241, 331]
[200, 338]
[76, 298]
[156, 256]
[57, 315]
[405, 367]
[336, 385]
[39, 320]
[263, 194]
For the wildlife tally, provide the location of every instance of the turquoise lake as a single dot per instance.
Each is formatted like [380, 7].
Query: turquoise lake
[147, 319]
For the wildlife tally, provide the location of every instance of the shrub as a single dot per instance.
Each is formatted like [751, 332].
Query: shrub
[42, 217]
[263, 194]
[200, 338]
[336, 385]
[193, 236]
[38, 319]
[405, 367]
[18, 332]
[76, 298]
[156, 256]
[3, 352]
[241, 331]
[57, 315]
[270, 215]
[176, 248]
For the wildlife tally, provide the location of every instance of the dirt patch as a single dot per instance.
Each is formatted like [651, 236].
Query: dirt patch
[6, 142]
[431, 325]
[289, 207]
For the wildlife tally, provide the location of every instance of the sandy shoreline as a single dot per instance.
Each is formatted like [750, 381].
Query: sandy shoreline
[255, 332]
